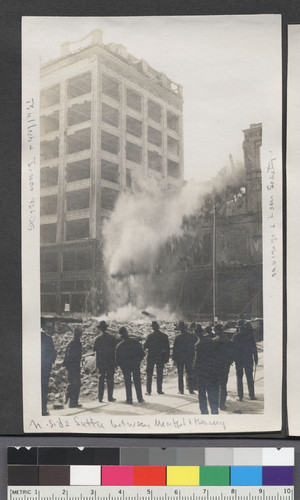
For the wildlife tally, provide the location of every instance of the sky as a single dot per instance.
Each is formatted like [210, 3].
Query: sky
[229, 67]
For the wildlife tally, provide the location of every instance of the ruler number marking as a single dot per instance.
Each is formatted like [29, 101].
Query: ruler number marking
[179, 493]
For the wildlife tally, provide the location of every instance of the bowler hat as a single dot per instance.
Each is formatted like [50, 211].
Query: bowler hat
[123, 331]
[78, 330]
[218, 328]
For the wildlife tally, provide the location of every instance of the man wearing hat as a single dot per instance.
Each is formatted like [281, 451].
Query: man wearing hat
[226, 361]
[129, 354]
[72, 363]
[199, 331]
[245, 353]
[207, 367]
[104, 347]
[183, 356]
[158, 347]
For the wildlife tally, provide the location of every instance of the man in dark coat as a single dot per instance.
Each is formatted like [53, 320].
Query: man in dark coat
[183, 356]
[207, 366]
[226, 361]
[48, 356]
[245, 353]
[158, 347]
[72, 363]
[129, 354]
[198, 331]
[105, 346]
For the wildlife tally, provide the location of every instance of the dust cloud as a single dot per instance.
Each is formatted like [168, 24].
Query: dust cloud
[142, 222]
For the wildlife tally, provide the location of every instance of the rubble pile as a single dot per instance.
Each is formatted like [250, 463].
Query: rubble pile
[138, 328]
[89, 376]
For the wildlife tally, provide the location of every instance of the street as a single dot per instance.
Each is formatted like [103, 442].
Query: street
[171, 402]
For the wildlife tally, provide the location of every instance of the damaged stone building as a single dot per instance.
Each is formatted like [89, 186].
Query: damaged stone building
[185, 276]
[239, 251]
[108, 122]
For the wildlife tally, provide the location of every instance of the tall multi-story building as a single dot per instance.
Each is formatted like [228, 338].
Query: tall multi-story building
[108, 123]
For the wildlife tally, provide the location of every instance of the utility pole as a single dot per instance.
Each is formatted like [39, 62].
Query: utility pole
[214, 263]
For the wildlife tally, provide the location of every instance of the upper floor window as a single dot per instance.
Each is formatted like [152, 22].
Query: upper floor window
[154, 111]
[79, 85]
[111, 87]
[133, 100]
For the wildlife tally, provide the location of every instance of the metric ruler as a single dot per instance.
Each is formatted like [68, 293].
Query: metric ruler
[150, 493]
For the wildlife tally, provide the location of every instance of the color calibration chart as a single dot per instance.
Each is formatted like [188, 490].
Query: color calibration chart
[150, 473]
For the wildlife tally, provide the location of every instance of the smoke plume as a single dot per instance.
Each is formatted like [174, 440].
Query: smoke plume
[135, 315]
[142, 223]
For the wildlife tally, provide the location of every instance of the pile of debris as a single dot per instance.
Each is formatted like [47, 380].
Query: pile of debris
[89, 376]
[137, 328]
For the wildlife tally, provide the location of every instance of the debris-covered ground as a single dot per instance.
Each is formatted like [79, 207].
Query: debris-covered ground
[139, 326]
[89, 376]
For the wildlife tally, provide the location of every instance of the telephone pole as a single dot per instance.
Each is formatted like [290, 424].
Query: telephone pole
[214, 263]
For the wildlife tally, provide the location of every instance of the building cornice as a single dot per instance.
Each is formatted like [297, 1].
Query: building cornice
[120, 67]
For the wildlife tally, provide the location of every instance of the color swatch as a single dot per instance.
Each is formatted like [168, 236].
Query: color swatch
[156, 466]
[186, 475]
[149, 476]
[173, 475]
[215, 476]
[246, 475]
[120, 475]
[81, 475]
[150, 456]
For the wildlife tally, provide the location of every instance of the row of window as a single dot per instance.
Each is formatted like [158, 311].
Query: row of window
[79, 200]
[111, 115]
[72, 260]
[81, 84]
[81, 141]
[80, 170]
[52, 302]
[66, 286]
[74, 230]
[80, 113]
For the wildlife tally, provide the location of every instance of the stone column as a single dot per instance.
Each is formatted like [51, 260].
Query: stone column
[181, 147]
[122, 142]
[145, 135]
[62, 162]
[95, 165]
[164, 145]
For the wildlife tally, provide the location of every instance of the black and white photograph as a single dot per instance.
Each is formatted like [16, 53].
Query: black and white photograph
[151, 224]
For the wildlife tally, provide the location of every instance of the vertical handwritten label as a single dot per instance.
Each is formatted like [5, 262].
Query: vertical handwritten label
[32, 163]
[271, 216]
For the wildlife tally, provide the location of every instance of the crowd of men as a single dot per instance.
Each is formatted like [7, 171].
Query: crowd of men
[204, 355]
